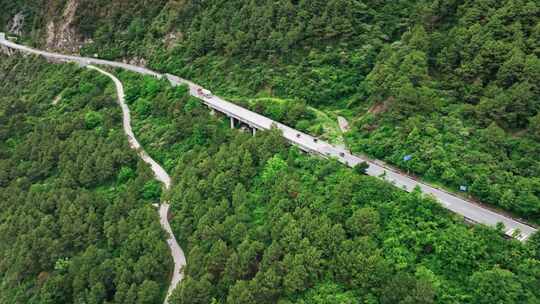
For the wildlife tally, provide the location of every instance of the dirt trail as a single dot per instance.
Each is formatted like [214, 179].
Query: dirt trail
[161, 175]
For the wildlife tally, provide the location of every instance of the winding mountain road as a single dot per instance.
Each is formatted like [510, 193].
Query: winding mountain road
[161, 175]
[471, 211]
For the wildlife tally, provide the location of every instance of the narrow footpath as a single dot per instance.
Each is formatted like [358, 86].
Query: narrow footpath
[161, 175]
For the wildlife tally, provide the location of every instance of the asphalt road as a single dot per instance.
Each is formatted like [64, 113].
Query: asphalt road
[161, 175]
[471, 211]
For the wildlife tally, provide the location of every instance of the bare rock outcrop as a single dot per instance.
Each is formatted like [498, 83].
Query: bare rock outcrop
[61, 33]
[138, 61]
[16, 24]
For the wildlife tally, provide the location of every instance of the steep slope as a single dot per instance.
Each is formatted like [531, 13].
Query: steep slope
[458, 79]
[76, 214]
[463, 100]
[263, 223]
[161, 175]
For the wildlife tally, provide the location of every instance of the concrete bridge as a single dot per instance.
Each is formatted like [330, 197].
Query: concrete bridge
[471, 212]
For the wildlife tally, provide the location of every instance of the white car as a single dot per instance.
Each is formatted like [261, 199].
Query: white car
[204, 93]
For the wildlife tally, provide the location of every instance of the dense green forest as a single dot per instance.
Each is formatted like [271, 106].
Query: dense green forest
[452, 83]
[262, 222]
[76, 220]
[463, 99]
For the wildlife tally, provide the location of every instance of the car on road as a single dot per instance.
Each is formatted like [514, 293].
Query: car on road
[204, 93]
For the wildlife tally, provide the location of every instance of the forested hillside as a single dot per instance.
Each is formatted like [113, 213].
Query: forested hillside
[76, 220]
[260, 221]
[263, 223]
[454, 83]
[463, 99]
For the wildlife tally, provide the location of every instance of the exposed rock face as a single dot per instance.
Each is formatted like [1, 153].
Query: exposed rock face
[172, 38]
[16, 24]
[343, 124]
[61, 34]
[135, 61]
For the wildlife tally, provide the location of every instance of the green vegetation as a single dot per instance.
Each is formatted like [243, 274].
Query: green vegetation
[93, 119]
[298, 114]
[453, 83]
[76, 221]
[463, 98]
[263, 223]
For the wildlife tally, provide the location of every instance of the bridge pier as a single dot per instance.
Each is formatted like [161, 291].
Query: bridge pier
[232, 122]
[254, 130]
